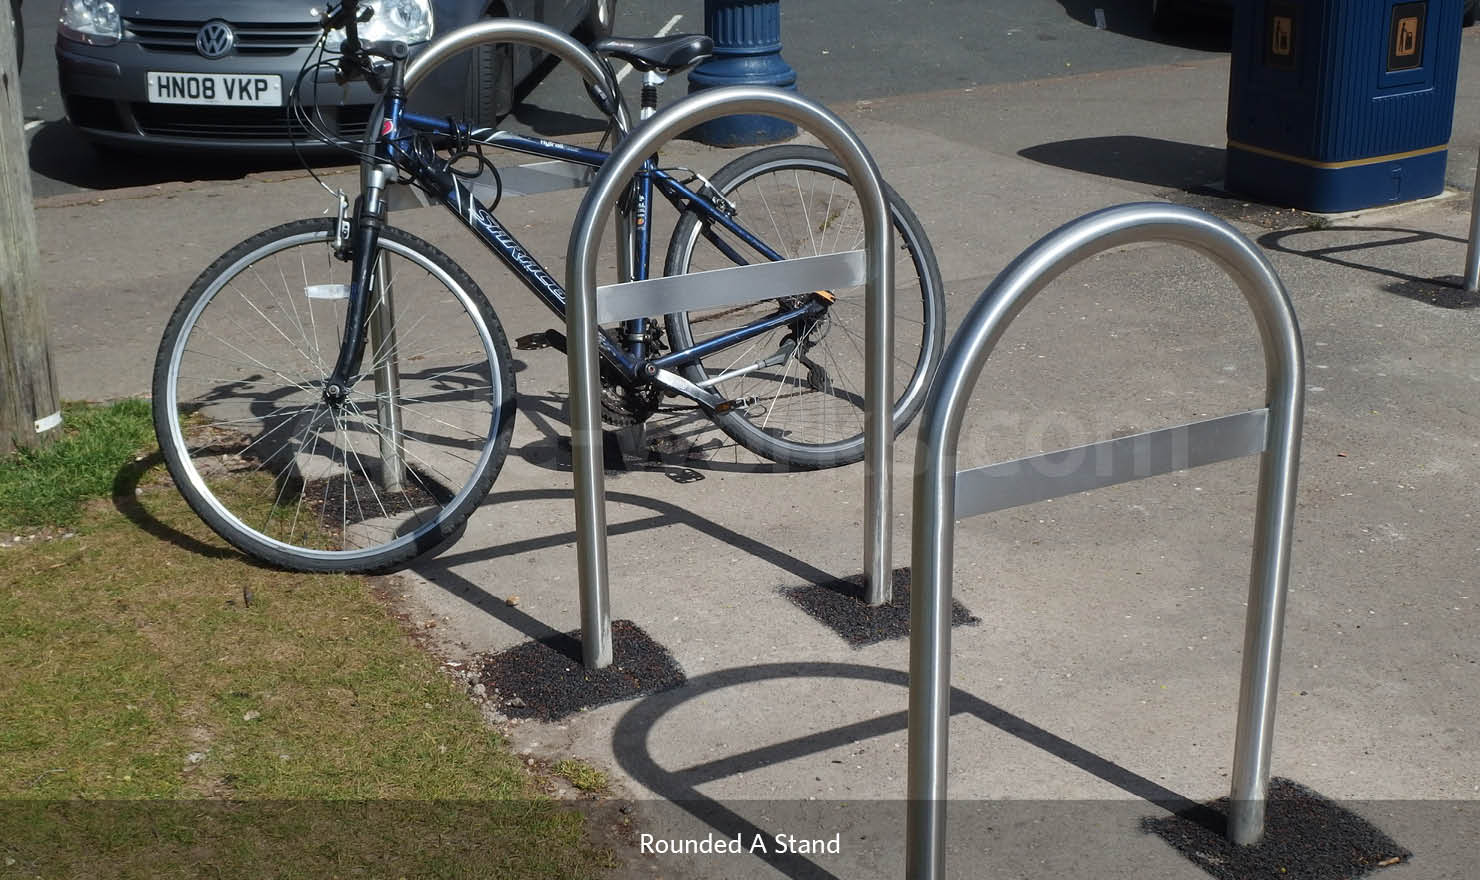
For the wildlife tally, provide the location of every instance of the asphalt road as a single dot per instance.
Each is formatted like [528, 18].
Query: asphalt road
[842, 50]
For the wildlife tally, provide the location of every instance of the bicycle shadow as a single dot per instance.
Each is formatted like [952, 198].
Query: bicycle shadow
[126, 488]
[632, 743]
[680, 442]
[1443, 292]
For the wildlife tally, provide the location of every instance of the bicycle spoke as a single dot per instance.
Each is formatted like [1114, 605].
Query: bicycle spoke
[292, 476]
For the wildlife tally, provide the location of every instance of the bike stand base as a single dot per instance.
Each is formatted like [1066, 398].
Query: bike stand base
[839, 605]
[1305, 836]
[1444, 292]
[545, 679]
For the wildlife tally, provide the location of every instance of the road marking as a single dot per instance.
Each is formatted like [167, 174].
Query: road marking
[32, 124]
[663, 31]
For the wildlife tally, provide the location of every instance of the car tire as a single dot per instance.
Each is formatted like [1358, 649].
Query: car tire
[598, 23]
[1469, 19]
[1166, 15]
[491, 85]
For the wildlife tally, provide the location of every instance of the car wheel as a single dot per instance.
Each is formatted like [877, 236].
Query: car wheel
[598, 23]
[1166, 15]
[1469, 18]
[491, 85]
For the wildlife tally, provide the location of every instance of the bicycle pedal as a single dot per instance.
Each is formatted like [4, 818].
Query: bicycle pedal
[740, 403]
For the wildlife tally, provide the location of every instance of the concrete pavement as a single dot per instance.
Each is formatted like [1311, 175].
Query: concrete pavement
[1100, 685]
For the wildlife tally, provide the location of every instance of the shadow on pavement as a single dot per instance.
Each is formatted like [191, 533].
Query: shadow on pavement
[556, 123]
[680, 441]
[439, 570]
[59, 152]
[1132, 18]
[1160, 163]
[635, 754]
[1444, 292]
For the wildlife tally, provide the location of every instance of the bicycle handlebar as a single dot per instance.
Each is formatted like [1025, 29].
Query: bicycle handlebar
[355, 56]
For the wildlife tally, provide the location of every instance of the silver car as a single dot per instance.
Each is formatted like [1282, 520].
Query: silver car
[218, 75]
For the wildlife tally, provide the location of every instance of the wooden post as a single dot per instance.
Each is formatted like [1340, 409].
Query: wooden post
[29, 408]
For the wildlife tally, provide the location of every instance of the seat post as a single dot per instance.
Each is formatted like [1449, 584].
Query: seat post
[651, 79]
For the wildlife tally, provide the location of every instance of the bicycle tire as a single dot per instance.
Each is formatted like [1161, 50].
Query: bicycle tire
[832, 384]
[288, 479]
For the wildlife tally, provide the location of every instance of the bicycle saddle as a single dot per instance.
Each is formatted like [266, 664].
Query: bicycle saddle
[667, 55]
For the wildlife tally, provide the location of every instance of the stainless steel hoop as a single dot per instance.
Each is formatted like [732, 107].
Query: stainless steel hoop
[581, 319]
[511, 30]
[1273, 431]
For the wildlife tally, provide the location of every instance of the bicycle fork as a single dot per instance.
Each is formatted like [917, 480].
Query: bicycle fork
[370, 316]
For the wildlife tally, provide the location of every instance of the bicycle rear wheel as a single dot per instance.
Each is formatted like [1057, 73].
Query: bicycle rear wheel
[367, 485]
[806, 378]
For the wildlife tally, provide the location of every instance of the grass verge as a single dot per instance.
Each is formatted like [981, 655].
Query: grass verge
[47, 486]
[155, 724]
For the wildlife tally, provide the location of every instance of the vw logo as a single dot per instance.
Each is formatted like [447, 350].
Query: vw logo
[215, 39]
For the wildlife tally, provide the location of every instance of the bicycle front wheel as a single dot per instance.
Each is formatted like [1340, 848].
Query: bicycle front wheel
[363, 485]
[802, 384]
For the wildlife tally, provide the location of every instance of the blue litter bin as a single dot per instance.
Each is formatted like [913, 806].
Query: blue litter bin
[1336, 105]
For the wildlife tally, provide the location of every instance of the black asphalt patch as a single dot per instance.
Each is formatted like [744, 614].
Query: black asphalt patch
[1445, 292]
[545, 679]
[840, 606]
[1305, 836]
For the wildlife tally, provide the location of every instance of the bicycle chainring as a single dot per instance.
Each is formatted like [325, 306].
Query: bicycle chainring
[623, 405]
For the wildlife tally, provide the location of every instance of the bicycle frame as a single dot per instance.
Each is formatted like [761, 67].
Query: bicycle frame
[632, 364]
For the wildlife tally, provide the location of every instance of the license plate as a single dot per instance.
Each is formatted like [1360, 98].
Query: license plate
[216, 89]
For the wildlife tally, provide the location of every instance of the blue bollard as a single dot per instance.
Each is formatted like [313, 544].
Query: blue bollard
[747, 51]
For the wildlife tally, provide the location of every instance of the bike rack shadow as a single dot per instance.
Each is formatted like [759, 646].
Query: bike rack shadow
[1445, 292]
[1148, 160]
[439, 571]
[634, 752]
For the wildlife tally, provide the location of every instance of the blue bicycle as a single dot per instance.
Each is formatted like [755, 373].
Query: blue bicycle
[337, 394]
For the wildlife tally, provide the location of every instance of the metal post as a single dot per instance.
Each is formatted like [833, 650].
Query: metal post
[386, 365]
[747, 52]
[585, 388]
[581, 336]
[1472, 255]
[1276, 433]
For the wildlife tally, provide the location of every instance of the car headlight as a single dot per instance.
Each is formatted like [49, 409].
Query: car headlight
[409, 21]
[90, 21]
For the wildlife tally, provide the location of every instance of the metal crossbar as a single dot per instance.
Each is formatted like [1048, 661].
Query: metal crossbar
[730, 286]
[1022, 481]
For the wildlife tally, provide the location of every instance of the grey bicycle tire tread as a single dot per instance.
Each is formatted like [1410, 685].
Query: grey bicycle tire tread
[735, 425]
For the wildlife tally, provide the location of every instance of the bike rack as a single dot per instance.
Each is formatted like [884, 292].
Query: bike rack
[735, 285]
[1273, 431]
[373, 178]
[1472, 251]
